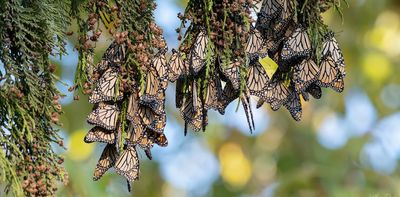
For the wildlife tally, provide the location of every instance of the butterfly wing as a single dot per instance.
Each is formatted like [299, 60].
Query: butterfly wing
[98, 134]
[105, 116]
[106, 161]
[127, 164]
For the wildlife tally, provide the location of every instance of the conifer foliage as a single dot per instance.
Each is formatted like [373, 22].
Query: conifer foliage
[30, 32]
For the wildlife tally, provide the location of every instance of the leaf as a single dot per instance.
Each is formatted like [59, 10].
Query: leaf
[269, 65]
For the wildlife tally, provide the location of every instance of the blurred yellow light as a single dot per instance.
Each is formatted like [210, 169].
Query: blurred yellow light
[78, 150]
[236, 169]
[377, 67]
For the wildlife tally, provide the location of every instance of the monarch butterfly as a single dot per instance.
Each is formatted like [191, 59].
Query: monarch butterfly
[113, 57]
[287, 9]
[270, 10]
[106, 87]
[331, 48]
[281, 25]
[115, 54]
[304, 74]
[106, 161]
[276, 94]
[135, 134]
[297, 46]
[159, 63]
[254, 42]
[257, 79]
[177, 66]
[193, 115]
[199, 51]
[98, 134]
[132, 111]
[229, 94]
[147, 115]
[328, 72]
[105, 116]
[128, 164]
[232, 72]
[157, 103]
[151, 87]
[312, 89]
[293, 104]
[213, 92]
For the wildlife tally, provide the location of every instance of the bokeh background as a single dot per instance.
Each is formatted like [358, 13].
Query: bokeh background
[346, 145]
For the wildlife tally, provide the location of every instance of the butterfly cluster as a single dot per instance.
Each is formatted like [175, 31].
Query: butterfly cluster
[126, 126]
[127, 87]
[209, 66]
[282, 33]
[285, 55]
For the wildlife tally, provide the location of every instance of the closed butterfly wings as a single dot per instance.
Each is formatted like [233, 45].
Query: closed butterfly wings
[98, 134]
[105, 116]
[106, 161]
[107, 87]
[293, 104]
[198, 52]
[304, 74]
[297, 46]
[177, 66]
[127, 164]
[257, 79]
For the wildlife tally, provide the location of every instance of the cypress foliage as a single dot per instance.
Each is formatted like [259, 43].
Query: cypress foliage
[30, 32]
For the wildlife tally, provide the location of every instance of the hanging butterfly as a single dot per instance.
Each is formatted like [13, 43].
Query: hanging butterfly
[314, 90]
[293, 104]
[98, 134]
[304, 74]
[213, 92]
[254, 42]
[152, 86]
[114, 56]
[270, 10]
[107, 87]
[105, 116]
[159, 63]
[331, 48]
[297, 46]
[328, 72]
[229, 94]
[106, 161]
[177, 66]
[132, 111]
[276, 94]
[127, 164]
[192, 114]
[151, 119]
[199, 52]
[232, 73]
[285, 19]
[257, 79]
